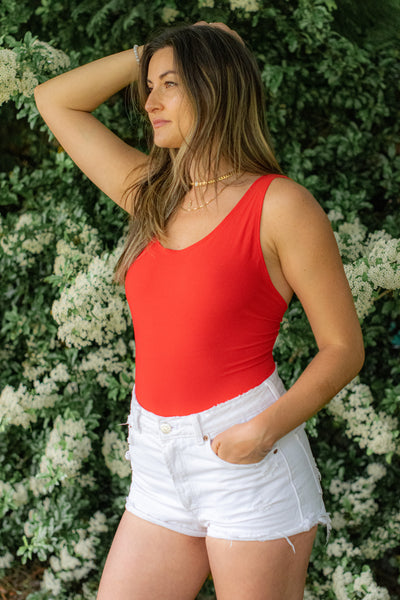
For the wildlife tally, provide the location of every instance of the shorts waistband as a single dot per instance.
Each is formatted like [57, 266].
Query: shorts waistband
[212, 421]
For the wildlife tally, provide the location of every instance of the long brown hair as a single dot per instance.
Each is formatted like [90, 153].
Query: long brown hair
[223, 84]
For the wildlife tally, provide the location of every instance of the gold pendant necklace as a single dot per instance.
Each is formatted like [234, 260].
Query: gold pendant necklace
[193, 208]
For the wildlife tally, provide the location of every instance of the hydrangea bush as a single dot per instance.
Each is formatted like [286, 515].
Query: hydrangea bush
[67, 348]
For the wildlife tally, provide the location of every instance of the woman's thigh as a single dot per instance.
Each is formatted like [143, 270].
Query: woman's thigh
[260, 570]
[148, 561]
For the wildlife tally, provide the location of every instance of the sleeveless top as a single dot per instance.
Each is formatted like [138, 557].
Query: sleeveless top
[206, 317]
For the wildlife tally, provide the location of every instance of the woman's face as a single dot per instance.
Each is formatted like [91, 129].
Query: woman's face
[167, 105]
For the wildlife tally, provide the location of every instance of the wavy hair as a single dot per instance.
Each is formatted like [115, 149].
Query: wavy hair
[223, 83]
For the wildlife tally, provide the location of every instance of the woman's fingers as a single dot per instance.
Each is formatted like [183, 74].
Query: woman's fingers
[222, 26]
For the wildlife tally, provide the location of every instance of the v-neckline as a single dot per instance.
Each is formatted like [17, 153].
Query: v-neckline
[217, 227]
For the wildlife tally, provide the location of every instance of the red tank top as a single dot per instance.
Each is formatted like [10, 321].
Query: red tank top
[206, 317]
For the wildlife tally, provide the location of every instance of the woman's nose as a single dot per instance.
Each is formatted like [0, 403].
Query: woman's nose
[153, 101]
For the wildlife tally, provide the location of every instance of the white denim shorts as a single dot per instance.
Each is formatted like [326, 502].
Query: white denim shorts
[179, 482]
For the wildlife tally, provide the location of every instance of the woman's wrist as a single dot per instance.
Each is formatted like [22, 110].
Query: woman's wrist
[138, 52]
[266, 435]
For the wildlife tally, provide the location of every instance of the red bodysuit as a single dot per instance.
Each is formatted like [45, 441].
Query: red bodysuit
[206, 317]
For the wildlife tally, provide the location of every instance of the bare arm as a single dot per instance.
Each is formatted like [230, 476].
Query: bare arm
[301, 237]
[66, 102]
[311, 264]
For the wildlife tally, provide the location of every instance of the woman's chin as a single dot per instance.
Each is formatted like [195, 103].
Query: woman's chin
[165, 144]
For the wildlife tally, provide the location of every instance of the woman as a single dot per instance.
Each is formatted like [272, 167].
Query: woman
[223, 476]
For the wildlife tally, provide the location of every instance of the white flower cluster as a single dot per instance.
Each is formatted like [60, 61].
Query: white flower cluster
[51, 59]
[92, 309]
[15, 407]
[341, 547]
[77, 253]
[98, 523]
[28, 239]
[350, 239]
[376, 431]
[17, 77]
[46, 391]
[6, 560]
[36, 363]
[35, 516]
[384, 263]
[315, 590]
[13, 495]
[74, 562]
[347, 586]
[382, 538]
[169, 14]
[87, 592]
[246, 5]
[114, 450]
[19, 406]
[35, 366]
[67, 447]
[356, 500]
[375, 263]
[12, 81]
[106, 360]
[361, 288]
[38, 486]
[335, 215]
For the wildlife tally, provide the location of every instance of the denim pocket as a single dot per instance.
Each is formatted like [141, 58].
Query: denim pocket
[257, 465]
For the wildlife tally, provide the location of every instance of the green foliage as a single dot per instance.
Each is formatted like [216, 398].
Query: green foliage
[379, 23]
[332, 84]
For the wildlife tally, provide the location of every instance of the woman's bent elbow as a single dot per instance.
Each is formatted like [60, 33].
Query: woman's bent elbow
[357, 356]
[37, 94]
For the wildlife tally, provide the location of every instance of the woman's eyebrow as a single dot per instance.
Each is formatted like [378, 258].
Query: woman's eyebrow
[163, 75]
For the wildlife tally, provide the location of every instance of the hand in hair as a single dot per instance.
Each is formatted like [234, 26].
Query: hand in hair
[223, 27]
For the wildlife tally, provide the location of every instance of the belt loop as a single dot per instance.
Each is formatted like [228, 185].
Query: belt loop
[135, 412]
[136, 418]
[197, 428]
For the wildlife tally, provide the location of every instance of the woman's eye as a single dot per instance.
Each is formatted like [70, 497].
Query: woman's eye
[167, 84]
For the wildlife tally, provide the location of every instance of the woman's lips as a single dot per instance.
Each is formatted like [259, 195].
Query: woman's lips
[159, 123]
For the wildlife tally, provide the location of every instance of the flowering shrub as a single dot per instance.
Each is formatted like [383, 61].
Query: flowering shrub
[67, 348]
[377, 432]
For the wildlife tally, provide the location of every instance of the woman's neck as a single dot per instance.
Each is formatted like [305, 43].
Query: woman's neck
[202, 175]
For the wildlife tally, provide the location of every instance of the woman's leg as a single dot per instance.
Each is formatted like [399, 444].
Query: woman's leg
[260, 570]
[148, 561]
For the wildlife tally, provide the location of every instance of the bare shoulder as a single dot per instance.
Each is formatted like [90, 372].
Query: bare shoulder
[298, 235]
[286, 197]
[291, 212]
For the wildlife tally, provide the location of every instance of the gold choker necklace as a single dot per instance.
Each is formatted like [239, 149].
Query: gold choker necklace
[221, 178]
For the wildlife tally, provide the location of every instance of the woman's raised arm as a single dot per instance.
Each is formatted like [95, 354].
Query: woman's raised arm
[66, 102]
